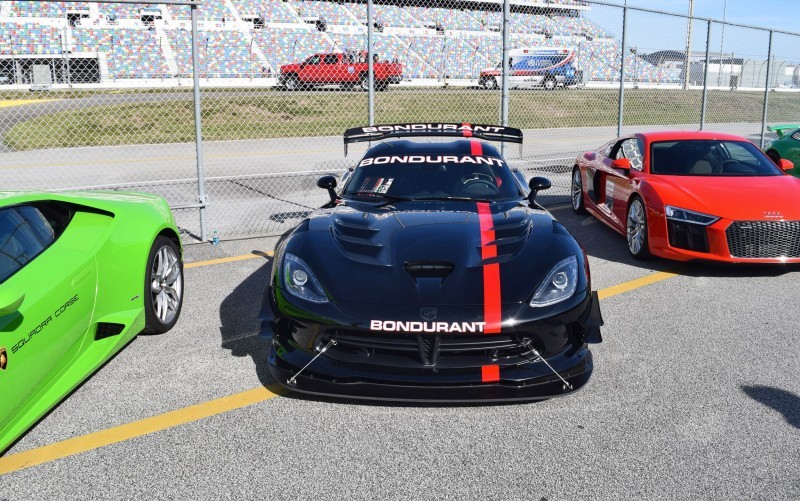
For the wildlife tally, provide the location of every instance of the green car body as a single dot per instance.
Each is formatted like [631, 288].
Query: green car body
[786, 146]
[81, 294]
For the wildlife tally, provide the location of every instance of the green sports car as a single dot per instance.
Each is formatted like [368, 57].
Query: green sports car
[786, 146]
[80, 276]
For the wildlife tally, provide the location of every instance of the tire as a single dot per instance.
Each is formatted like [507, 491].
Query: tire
[775, 157]
[163, 286]
[576, 192]
[363, 83]
[636, 229]
[549, 83]
[381, 85]
[291, 83]
[490, 83]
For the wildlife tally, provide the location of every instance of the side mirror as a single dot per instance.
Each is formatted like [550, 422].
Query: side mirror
[536, 185]
[590, 155]
[621, 163]
[328, 183]
[10, 301]
[786, 164]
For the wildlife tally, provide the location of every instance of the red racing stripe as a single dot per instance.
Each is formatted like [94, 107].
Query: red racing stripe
[467, 133]
[491, 272]
[475, 148]
[490, 373]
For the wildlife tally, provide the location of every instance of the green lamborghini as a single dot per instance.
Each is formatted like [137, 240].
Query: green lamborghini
[81, 275]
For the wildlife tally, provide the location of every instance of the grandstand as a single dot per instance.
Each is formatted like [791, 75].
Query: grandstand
[248, 39]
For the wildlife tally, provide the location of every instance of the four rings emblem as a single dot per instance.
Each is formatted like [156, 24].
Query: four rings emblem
[772, 214]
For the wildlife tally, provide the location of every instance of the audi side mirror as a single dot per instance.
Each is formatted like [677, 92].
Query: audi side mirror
[621, 163]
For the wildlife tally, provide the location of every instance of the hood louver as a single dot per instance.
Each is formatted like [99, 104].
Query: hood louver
[429, 269]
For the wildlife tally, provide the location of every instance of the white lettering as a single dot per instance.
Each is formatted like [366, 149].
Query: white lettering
[400, 326]
[419, 159]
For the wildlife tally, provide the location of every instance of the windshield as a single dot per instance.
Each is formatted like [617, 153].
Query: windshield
[433, 176]
[710, 157]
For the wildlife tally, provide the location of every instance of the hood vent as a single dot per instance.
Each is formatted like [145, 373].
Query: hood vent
[510, 238]
[356, 238]
[428, 269]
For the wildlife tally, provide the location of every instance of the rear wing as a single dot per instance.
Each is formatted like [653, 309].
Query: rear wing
[781, 129]
[486, 132]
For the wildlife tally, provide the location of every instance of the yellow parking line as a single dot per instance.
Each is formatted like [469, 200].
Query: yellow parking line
[231, 259]
[178, 417]
[118, 434]
[635, 284]
[23, 102]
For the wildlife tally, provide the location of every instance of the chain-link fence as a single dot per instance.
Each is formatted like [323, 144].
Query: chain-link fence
[105, 95]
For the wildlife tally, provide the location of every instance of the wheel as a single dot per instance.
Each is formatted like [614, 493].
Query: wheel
[636, 229]
[577, 192]
[478, 187]
[775, 157]
[364, 83]
[163, 287]
[549, 83]
[476, 176]
[381, 85]
[291, 83]
[490, 83]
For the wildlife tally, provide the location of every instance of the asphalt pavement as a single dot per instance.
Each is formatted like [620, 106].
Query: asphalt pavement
[695, 395]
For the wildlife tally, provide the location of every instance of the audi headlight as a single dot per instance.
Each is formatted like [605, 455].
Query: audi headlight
[689, 216]
[560, 283]
[300, 281]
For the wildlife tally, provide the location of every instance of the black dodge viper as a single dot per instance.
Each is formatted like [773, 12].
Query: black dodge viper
[431, 275]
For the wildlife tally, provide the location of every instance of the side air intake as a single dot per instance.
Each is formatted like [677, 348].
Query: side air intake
[105, 330]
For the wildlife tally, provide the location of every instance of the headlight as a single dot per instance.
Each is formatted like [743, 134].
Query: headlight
[300, 281]
[689, 216]
[560, 283]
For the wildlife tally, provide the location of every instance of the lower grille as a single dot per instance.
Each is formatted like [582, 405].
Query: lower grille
[687, 236]
[428, 350]
[764, 239]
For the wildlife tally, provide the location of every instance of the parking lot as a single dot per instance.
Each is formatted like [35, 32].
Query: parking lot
[695, 394]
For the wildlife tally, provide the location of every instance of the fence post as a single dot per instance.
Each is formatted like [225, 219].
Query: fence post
[370, 66]
[198, 130]
[506, 70]
[622, 71]
[705, 78]
[688, 47]
[766, 92]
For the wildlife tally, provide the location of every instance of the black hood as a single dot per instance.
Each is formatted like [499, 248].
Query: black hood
[428, 253]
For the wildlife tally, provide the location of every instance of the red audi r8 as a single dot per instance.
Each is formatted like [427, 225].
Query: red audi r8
[692, 195]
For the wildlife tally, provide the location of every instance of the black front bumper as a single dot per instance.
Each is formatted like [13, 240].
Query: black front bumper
[458, 389]
[340, 359]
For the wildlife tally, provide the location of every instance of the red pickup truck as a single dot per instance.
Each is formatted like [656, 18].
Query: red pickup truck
[346, 69]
